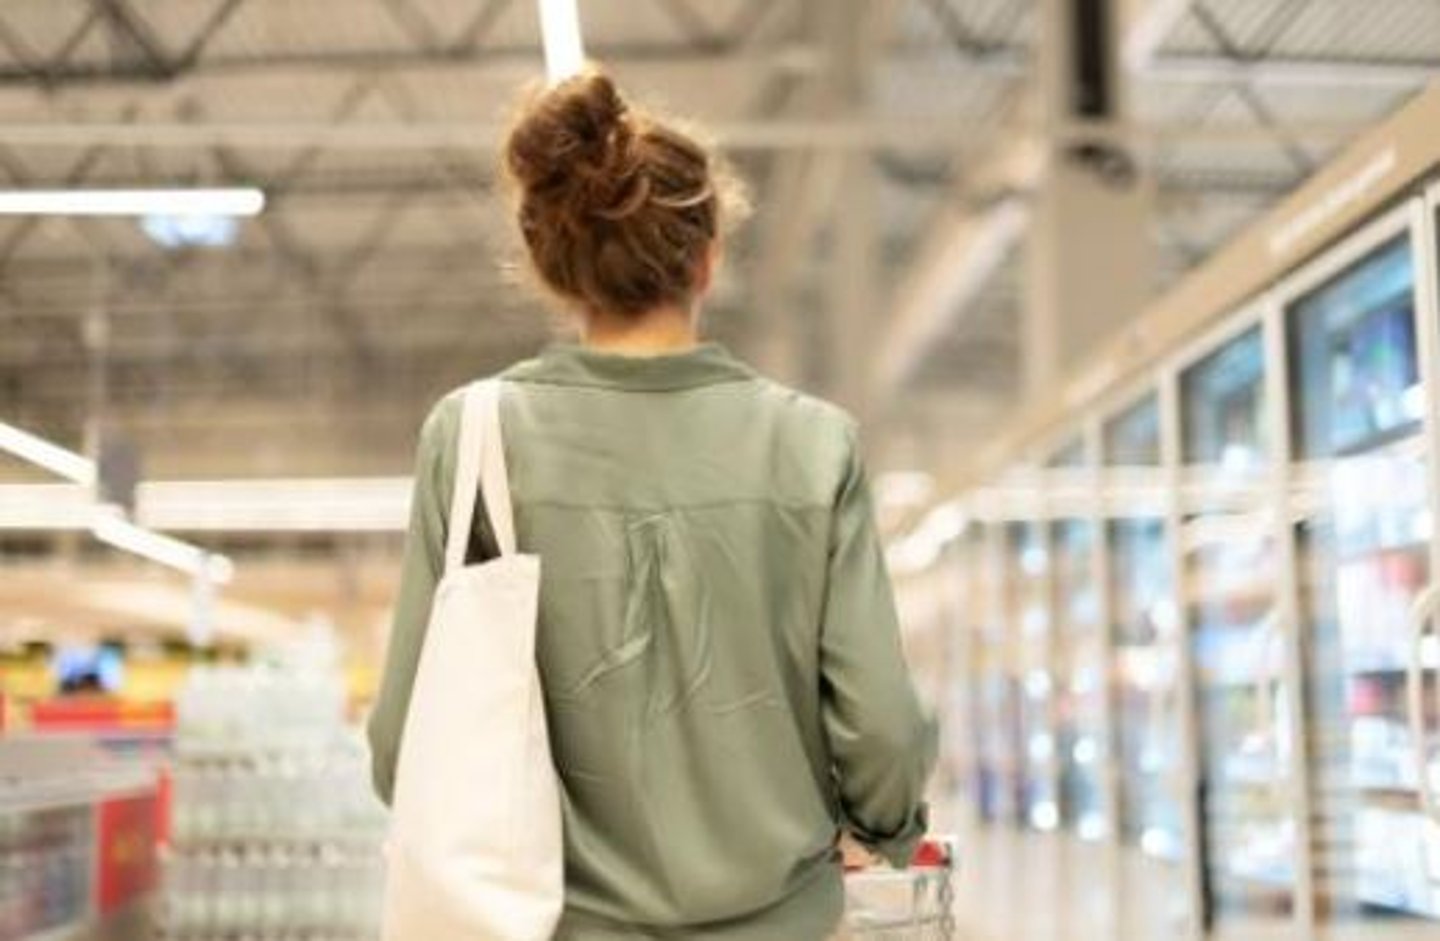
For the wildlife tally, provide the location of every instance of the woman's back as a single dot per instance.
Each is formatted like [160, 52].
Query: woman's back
[683, 508]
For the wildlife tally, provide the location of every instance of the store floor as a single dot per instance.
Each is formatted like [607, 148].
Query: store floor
[1013, 886]
[1016, 886]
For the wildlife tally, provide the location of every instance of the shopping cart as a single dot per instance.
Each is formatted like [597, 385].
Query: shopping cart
[914, 904]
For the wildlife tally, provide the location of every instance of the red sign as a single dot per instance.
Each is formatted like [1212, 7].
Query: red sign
[127, 867]
[100, 714]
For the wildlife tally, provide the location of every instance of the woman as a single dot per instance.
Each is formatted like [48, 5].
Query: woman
[717, 637]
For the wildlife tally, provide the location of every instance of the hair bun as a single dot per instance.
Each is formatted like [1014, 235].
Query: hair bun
[575, 150]
[618, 209]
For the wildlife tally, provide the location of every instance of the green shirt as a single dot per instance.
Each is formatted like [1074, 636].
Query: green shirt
[717, 640]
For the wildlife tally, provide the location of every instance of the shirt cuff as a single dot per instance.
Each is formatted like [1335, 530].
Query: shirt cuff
[897, 848]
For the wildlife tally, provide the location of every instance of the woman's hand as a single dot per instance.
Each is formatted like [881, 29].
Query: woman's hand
[854, 855]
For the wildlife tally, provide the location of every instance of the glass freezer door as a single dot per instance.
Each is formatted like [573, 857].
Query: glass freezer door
[1363, 541]
[1029, 590]
[1082, 652]
[1144, 626]
[1248, 835]
[996, 698]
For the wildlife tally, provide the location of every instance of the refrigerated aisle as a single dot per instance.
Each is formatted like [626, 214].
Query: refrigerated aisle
[1268, 572]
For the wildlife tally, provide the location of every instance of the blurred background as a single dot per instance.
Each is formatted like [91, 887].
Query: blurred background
[993, 229]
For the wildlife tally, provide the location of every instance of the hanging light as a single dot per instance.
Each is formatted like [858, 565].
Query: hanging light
[45, 454]
[192, 560]
[560, 31]
[235, 201]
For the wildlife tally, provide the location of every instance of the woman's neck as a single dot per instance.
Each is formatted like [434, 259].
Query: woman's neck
[666, 330]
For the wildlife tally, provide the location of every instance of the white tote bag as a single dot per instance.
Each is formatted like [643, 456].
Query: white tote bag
[475, 849]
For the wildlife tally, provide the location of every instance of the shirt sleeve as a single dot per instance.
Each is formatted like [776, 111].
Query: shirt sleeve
[424, 562]
[882, 740]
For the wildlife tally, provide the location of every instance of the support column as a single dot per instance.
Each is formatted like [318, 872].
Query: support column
[853, 299]
[1089, 257]
[858, 31]
[817, 190]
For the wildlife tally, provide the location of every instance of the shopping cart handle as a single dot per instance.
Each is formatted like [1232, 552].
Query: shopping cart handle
[936, 853]
[933, 853]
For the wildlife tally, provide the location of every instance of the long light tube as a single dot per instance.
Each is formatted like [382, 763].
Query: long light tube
[242, 201]
[560, 31]
[360, 504]
[51, 457]
[29, 507]
[192, 560]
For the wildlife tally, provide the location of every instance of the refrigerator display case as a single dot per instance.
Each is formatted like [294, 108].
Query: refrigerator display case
[963, 726]
[1262, 530]
[1144, 628]
[1248, 834]
[1364, 541]
[1081, 647]
[1027, 562]
[997, 698]
[78, 834]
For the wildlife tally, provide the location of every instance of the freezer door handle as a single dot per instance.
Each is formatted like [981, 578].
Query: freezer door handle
[1422, 618]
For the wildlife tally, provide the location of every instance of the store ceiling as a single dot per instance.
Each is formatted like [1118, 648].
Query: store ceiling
[383, 271]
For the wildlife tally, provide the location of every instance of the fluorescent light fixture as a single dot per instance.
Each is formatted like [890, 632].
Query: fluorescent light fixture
[243, 201]
[46, 507]
[192, 560]
[355, 504]
[560, 30]
[51, 457]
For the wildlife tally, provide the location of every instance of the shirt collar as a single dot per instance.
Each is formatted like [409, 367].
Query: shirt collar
[575, 365]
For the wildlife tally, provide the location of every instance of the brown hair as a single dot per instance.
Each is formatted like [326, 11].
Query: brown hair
[617, 209]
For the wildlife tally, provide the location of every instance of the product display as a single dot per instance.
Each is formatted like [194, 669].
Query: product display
[275, 833]
[46, 863]
[77, 839]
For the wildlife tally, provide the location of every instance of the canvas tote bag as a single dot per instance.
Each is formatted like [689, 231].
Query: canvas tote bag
[474, 851]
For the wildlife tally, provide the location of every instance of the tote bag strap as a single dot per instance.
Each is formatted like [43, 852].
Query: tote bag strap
[479, 463]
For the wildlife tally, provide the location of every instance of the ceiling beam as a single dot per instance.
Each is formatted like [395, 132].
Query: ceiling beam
[812, 134]
[518, 62]
[787, 133]
[804, 178]
[1155, 21]
[1287, 72]
[963, 252]
[1151, 23]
